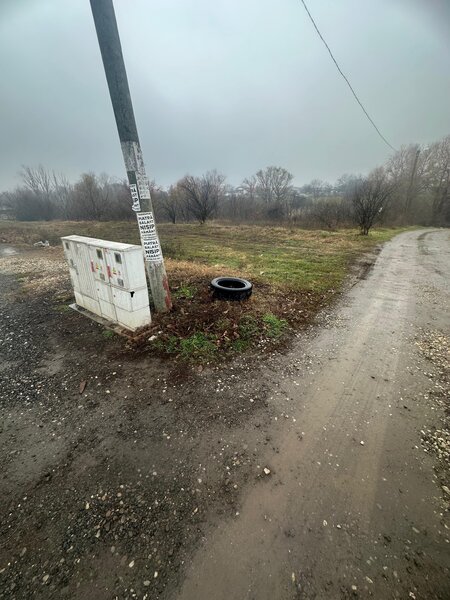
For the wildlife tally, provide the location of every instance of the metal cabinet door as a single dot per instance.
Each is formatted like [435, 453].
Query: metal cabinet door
[84, 269]
[98, 264]
[117, 268]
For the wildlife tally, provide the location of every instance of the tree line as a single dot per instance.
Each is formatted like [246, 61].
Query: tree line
[412, 187]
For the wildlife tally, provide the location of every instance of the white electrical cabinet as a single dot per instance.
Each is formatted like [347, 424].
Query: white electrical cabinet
[109, 279]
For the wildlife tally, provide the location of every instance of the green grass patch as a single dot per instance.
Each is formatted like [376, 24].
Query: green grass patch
[248, 328]
[199, 346]
[275, 327]
[185, 291]
[108, 334]
[240, 345]
[168, 345]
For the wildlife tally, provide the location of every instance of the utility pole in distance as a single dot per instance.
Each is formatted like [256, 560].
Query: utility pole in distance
[116, 76]
[411, 181]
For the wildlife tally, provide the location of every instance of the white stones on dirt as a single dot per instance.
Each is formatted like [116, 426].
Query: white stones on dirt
[362, 443]
[266, 471]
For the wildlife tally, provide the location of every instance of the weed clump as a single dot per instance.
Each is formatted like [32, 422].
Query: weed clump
[248, 328]
[108, 334]
[199, 346]
[274, 326]
[185, 291]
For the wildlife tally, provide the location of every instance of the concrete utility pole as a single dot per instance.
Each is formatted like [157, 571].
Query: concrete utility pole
[116, 76]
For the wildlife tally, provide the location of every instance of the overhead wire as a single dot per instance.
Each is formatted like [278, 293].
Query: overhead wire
[346, 79]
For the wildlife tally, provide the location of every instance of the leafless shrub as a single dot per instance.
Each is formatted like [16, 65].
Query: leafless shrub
[370, 198]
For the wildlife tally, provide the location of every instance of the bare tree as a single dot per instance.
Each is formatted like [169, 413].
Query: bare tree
[38, 182]
[274, 185]
[369, 198]
[62, 195]
[405, 171]
[170, 203]
[240, 204]
[202, 194]
[438, 180]
[317, 189]
[89, 198]
[345, 184]
[249, 187]
[330, 212]
[37, 179]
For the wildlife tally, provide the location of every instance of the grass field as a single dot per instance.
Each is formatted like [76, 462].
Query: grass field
[300, 259]
[294, 271]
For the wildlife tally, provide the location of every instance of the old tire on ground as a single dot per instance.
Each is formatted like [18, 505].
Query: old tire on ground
[231, 288]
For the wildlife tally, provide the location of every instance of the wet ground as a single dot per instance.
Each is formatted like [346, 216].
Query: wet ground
[309, 474]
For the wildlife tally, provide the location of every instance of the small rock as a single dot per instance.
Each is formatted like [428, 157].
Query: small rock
[131, 565]
[362, 443]
[266, 471]
[147, 581]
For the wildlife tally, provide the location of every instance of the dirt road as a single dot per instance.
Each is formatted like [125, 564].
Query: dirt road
[300, 475]
[350, 506]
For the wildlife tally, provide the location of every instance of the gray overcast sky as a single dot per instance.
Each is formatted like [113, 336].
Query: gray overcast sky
[234, 85]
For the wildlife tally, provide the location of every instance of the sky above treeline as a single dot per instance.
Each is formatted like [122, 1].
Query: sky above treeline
[230, 85]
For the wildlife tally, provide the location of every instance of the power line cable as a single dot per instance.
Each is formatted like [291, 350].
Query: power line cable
[345, 78]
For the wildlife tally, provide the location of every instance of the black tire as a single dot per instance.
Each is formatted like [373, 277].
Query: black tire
[231, 288]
